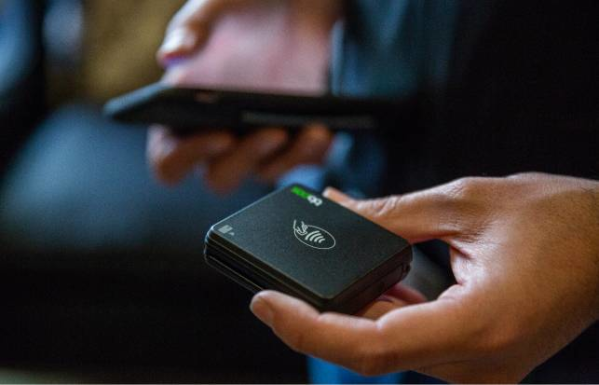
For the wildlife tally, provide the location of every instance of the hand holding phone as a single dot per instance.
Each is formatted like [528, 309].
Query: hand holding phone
[228, 159]
[298, 129]
[249, 44]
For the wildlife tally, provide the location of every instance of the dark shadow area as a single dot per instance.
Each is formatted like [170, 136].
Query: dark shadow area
[102, 275]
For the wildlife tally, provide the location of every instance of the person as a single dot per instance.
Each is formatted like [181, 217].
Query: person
[503, 87]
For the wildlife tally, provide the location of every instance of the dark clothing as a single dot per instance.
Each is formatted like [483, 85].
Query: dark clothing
[502, 86]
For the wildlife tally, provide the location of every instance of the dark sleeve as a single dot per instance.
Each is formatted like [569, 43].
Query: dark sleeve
[523, 90]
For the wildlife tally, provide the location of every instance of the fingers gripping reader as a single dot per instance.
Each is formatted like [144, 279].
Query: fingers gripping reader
[302, 244]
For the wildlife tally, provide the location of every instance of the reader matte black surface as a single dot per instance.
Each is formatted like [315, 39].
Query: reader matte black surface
[297, 242]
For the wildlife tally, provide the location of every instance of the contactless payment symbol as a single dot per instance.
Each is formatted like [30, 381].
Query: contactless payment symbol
[313, 236]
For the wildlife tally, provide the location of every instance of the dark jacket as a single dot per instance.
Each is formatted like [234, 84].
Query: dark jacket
[503, 86]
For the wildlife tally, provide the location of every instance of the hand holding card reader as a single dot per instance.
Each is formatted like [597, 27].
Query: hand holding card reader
[302, 244]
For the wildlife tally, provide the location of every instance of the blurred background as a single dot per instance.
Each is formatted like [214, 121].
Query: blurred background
[101, 271]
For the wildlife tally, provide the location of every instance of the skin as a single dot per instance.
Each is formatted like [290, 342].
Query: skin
[524, 249]
[280, 45]
[525, 254]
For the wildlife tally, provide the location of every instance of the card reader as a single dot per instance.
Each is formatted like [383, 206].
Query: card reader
[297, 242]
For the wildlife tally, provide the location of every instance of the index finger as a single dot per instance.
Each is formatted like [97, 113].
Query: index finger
[406, 338]
[443, 212]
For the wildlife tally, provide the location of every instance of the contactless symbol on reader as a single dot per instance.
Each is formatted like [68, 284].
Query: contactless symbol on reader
[313, 236]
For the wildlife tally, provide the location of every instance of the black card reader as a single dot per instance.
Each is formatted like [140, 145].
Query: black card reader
[297, 242]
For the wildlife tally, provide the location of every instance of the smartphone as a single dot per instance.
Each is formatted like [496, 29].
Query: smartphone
[191, 110]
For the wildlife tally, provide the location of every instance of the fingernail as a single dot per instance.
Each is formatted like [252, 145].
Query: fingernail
[262, 310]
[336, 195]
[177, 41]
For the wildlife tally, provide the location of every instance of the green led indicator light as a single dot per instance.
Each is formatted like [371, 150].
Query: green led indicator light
[300, 192]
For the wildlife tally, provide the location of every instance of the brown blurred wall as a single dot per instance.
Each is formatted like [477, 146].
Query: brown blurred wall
[118, 43]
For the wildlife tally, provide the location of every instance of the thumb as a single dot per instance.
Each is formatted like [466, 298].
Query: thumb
[417, 217]
[190, 28]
